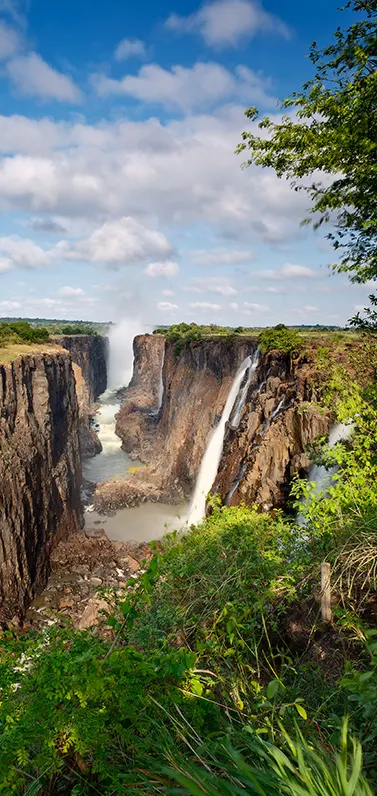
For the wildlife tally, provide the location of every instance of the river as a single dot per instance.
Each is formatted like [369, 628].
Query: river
[142, 523]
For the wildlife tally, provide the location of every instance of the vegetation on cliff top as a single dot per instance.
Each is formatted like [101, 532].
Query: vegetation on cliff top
[21, 332]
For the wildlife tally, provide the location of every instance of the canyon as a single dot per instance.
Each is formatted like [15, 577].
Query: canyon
[46, 396]
[168, 415]
[266, 440]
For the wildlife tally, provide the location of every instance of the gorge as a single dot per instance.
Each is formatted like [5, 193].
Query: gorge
[217, 416]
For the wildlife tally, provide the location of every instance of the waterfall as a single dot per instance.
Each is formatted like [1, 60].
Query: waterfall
[121, 355]
[318, 474]
[242, 395]
[161, 387]
[212, 456]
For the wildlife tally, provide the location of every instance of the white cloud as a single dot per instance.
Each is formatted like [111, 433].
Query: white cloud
[233, 305]
[224, 23]
[310, 308]
[185, 88]
[9, 306]
[167, 293]
[71, 292]
[162, 269]
[290, 271]
[21, 253]
[255, 307]
[205, 305]
[182, 173]
[213, 284]
[6, 264]
[166, 306]
[221, 256]
[9, 41]
[32, 76]
[120, 242]
[130, 48]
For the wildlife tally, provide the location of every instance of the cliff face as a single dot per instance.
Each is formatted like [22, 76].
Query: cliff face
[40, 472]
[89, 354]
[172, 440]
[280, 418]
[138, 414]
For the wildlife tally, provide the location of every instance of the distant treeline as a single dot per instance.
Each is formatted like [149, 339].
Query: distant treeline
[55, 326]
[22, 332]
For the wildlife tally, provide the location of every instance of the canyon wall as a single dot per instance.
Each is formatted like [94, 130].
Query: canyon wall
[40, 471]
[281, 416]
[172, 440]
[89, 354]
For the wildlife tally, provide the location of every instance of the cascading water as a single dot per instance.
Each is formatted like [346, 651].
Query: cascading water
[242, 395]
[212, 456]
[321, 477]
[113, 461]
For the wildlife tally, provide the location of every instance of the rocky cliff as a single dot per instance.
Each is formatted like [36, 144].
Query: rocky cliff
[172, 441]
[280, 418]
[40, 471]
[89, 354]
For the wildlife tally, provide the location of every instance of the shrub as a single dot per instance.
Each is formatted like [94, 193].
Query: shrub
[279, 338]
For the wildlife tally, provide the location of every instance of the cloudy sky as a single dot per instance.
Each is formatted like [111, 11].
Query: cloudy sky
[120, 193]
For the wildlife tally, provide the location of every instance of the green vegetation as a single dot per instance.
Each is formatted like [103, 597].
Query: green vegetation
[21, 332]
[217, 657]
[76, 329]
[279, 338]
[332, 128]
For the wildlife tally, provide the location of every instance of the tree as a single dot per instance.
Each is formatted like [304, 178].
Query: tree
[331, 129]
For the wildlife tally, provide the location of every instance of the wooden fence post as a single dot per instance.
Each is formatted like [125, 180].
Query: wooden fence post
[326, 592]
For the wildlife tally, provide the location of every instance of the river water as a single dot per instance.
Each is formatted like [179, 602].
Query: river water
[142, 523]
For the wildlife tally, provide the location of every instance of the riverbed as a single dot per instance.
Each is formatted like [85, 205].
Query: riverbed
[143, 523]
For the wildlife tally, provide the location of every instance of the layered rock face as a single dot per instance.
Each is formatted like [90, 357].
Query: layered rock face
[40, 472]
[140, 408]
[89, 354]
[280, 418]
[172, 440]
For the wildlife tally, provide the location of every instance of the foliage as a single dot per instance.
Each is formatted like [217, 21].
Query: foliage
[76, 329]
[257, 767]
[279, 338]
[331, 129]
[21, 331]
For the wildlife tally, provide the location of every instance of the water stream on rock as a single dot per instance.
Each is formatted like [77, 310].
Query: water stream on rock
[212, 456]
[318, 474]
[112, 461]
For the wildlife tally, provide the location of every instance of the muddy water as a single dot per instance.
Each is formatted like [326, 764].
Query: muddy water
[112, 461]
[141, 524]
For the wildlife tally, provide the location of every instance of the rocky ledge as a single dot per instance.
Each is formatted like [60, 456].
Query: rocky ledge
[83, 569]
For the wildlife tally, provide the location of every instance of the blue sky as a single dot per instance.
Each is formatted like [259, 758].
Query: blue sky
[120, 195]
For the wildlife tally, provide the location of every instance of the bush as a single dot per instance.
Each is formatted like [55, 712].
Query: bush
[279, 338]
[21, 331]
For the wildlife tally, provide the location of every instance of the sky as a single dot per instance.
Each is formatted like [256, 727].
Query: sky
[120, 193]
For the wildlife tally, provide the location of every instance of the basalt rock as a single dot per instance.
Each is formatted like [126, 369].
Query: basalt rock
[40, 472]
[89, 354]
[281, 417]
[172, 440]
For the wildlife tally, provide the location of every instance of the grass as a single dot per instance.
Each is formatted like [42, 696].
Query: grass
[12, 352]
